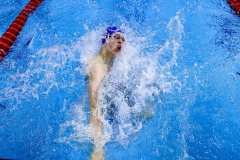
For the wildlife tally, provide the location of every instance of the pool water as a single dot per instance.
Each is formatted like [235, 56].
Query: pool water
[176, 84]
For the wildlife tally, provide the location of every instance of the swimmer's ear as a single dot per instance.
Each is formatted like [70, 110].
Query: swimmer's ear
[107, 40]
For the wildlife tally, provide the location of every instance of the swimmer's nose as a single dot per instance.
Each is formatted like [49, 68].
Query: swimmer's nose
[120, 41]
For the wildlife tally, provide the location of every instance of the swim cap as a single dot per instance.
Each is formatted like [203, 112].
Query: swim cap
[109, 31]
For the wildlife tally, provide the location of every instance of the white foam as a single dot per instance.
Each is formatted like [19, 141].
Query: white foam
[135, 73]
[137, 78]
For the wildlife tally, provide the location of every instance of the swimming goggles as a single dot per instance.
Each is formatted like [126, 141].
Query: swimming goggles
[117, 36]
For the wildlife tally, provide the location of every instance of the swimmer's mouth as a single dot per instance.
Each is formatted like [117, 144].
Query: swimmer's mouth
[119, 47]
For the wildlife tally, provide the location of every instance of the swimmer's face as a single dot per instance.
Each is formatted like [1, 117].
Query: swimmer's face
[116, 42]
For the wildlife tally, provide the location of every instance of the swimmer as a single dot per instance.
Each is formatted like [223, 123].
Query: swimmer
[99, 67]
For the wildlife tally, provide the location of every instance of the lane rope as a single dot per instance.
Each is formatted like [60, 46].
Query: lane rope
[9, 37]
[235, 5]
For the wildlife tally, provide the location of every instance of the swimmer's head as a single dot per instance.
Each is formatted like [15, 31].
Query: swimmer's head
[110, 31]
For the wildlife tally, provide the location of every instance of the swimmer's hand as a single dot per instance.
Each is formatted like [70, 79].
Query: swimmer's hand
[97, 154]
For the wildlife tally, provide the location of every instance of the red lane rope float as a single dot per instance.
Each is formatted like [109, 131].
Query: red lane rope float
[9, 37]
[235, 5]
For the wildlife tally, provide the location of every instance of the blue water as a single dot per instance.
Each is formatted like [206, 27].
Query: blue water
[180, 64]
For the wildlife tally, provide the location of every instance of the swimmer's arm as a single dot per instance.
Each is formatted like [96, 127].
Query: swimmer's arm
[94, 83]
[95, 78]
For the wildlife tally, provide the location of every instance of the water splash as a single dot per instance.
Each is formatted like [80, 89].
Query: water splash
[130, 92]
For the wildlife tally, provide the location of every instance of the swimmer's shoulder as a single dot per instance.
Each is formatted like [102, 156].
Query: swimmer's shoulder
[94, 64]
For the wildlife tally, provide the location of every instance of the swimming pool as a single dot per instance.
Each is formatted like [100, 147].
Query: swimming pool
[180, 66]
